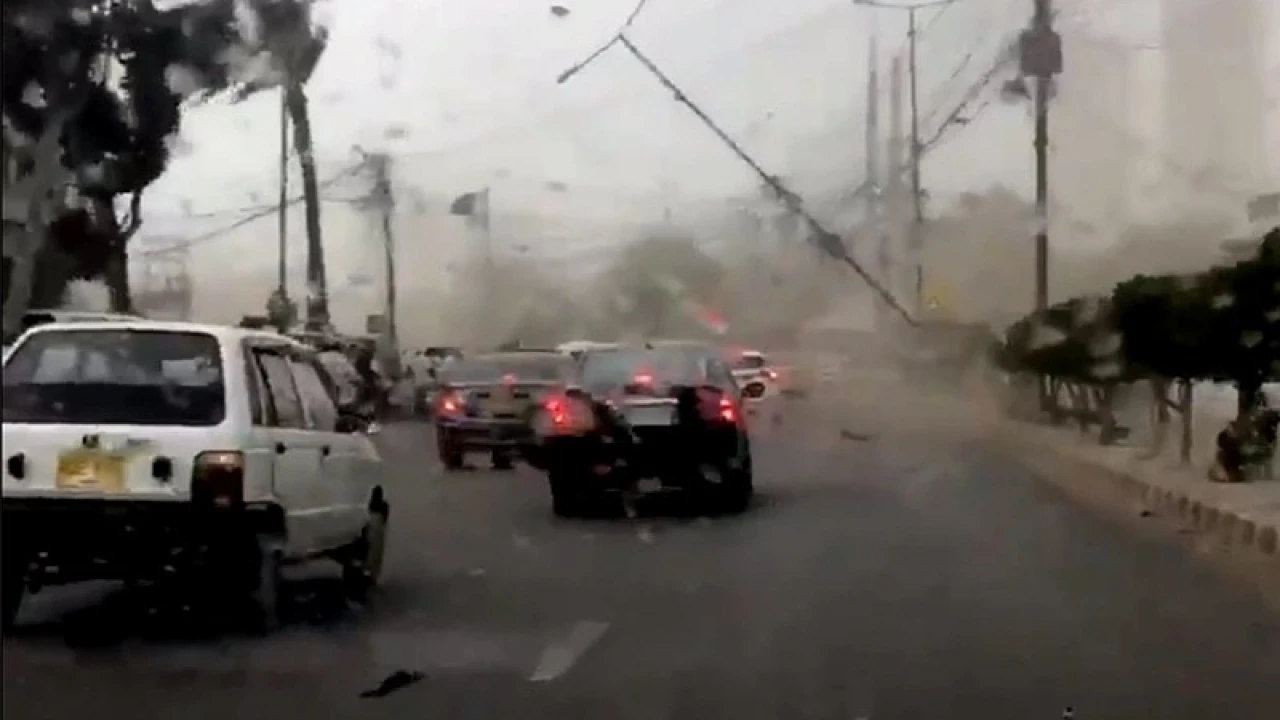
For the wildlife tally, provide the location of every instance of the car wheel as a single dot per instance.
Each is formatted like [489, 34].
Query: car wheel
[451, 455]
[737, 485]
[265, 596]
[14, 588]
[363, 566]
[567, 498]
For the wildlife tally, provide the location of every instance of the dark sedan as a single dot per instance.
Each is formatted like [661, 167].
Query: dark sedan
[486, 403]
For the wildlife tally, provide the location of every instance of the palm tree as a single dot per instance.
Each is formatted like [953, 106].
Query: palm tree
[295, 43]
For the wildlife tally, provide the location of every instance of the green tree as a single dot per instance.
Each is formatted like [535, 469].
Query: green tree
[92, 92]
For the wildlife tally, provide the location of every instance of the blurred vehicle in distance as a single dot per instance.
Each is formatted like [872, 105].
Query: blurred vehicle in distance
[486, 402]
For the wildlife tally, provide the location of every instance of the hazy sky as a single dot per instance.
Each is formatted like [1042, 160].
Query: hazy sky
[473, 89]
[470, 86]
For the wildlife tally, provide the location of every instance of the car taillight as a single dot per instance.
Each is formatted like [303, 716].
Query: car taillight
[642, 379]
[217, 479]
[771, 373]
[450, 403]
[563, 414]
[727, 411]
[715, 406]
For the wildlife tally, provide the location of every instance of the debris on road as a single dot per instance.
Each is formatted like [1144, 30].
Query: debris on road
[397, 680]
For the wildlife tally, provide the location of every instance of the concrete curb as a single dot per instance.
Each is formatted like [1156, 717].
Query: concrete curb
[1228, 526]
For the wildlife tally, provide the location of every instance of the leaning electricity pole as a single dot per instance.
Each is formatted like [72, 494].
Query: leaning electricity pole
[1040, 58]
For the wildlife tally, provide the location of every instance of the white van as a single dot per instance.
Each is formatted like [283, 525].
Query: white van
[143, 450]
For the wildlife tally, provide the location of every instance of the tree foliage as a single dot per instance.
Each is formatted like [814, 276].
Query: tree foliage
[1222, 324]
[108, 78]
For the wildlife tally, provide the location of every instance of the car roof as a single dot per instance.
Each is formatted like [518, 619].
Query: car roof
[225, 334]
[81, 315]
[514, 354]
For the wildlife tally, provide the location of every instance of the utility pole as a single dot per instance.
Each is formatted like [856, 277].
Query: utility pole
[915, 232]
[871, 157]
[384, 202]
[1041, 59]
[282, 277]
[916, 235]
[894, 190]
[280, 309]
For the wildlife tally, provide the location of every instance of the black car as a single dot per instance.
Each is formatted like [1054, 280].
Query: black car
[646, 418]
[487, 403]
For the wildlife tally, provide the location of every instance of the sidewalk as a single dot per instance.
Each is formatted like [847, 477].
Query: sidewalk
[1246, 514]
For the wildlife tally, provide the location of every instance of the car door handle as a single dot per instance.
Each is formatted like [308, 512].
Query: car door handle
[324, 451]
[280, 448]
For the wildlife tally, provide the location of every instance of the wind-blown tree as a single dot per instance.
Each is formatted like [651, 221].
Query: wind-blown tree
[92, 95]
[288, 36]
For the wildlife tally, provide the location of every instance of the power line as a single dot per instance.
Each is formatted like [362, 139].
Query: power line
[706, 66]
[265, 211]
[824, 239]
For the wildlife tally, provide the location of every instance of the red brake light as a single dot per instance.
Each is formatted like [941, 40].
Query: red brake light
[558, 411]
[728, 412]
[508, 379]
[450, 403]
[568, 414]
[771, 373]
[643, 379]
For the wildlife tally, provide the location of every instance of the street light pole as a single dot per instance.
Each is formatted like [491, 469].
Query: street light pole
[1041, 59]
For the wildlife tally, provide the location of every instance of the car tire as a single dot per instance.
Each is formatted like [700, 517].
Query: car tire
[266, 598]
[567, 498]
[362, 567]
[13, 587]
[451, 454]
[734, 494]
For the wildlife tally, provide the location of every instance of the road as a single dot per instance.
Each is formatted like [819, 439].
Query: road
[887, 571]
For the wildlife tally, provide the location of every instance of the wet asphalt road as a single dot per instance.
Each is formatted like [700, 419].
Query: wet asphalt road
[895, 572]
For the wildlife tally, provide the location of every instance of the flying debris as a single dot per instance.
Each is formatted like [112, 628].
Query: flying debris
[559, 11]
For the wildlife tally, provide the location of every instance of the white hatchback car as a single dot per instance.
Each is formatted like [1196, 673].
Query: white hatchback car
[162, 450]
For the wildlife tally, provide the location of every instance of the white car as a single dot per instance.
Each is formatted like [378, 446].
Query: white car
[753, 375]
[575, 348]
[149, 451]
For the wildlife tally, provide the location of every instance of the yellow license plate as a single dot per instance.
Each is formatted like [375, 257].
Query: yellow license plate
[91, 471]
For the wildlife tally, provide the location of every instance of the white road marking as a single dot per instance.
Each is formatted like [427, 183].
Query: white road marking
[559, 657]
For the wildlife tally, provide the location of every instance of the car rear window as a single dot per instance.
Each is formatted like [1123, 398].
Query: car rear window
[132, 377]
[749, 362]
[530, 368]
[609, 369]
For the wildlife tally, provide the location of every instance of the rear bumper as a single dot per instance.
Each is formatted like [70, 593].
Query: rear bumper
[672, 455]
[63, 541]
[485, 433]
